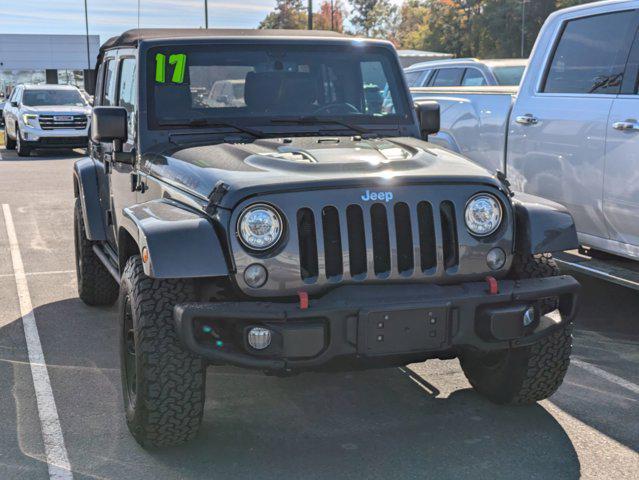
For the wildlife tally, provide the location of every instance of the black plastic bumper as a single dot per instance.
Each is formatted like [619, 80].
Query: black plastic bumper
[376, 324]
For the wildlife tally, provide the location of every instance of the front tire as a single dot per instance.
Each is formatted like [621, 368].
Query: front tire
[9, 143]
[21, 149]
[524, 375]
[96, 286]
[163, 384]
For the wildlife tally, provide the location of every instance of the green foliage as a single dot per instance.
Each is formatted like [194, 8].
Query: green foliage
[374, 18]
[289, 14]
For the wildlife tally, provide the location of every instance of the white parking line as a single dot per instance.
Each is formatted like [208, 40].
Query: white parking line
[55, 450]
[622, 382]
[35, 274]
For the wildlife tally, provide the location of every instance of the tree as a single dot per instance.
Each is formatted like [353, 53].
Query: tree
[330, 17]
[412, 28]
[374, 18]
[289, 14]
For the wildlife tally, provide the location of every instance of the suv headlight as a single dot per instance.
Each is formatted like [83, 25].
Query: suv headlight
[29, 119]
[483, 214]
[259, 227]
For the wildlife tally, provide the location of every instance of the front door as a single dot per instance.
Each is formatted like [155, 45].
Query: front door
[557, 130]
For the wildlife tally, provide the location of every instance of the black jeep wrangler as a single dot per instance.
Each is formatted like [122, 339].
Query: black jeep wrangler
[268, 199]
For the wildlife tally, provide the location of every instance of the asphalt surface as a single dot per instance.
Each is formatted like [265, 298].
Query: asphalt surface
[423, 421]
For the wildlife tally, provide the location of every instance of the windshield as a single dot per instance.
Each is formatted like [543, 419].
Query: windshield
[510, 75]
[245, 82]
[43, 98]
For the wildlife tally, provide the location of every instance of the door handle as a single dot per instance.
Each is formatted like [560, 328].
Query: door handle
[527, 119]
[628, 125]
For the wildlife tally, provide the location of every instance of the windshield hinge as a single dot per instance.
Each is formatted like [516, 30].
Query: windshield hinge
[215, 197]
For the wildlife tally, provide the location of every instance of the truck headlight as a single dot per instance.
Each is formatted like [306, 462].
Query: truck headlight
[29, 119]
[259, 227]
[483, 214]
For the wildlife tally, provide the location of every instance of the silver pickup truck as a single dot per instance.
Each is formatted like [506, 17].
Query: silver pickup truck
[570, 132]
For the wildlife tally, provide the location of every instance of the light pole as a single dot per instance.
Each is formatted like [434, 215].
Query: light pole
[523, 26]
[310, 14]
[206, 13]
[86, 25]
[332, 9]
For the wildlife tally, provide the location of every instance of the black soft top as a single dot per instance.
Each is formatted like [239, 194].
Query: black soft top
[131, 38]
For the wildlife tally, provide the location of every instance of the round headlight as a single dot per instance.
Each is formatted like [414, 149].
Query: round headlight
[259, 227]
[483, 215]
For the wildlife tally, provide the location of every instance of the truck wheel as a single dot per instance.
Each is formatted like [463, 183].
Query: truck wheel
[96, 286]
[9, 143]
[163, 384]
[21, 149]
[523, 375]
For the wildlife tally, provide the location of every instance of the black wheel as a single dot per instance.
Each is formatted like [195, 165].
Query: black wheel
[523, 375]
[9, 143]
[21, 149]
[163, 384]
[96, 286]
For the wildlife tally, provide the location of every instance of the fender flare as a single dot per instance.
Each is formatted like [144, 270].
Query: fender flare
[86, 187]
[181, 243]
[543, 226]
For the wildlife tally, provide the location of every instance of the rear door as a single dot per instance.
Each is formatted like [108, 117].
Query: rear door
[621, 174]
[557, 130]
[447, 77]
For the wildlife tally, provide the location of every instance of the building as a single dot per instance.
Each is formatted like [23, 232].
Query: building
[46, 59]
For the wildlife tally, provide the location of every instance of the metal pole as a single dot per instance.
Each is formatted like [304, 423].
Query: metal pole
[332, 8]
[86, 24]
[310, 14]
[206, 13]
[523, 26]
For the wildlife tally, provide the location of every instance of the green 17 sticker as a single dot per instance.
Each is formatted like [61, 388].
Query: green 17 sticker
[177, 60]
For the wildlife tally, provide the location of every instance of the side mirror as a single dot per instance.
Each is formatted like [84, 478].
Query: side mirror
[109, 124]
[428, 116]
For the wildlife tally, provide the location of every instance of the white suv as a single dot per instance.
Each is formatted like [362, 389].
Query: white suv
[45, 116]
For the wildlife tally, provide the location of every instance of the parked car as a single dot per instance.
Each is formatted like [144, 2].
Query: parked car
[469, 72]
[570, 133]
[3, 100]
[45, 116]
[306, 228]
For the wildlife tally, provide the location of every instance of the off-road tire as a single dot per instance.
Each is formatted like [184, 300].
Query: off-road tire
[523, 375]
[164, 401]
[21, 149]
[96, 286]
[9, 143]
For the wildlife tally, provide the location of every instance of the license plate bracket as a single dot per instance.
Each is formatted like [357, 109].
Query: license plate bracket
[388, 332]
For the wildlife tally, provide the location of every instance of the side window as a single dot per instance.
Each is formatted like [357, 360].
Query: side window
[99, 85]
[108, 96]
[376, 94]
[127, 91]
[412, 77]
[591, 55]
[448, 77]
[426, 77]
[473, 78]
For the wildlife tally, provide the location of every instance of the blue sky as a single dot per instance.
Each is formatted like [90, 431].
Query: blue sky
[110, 17]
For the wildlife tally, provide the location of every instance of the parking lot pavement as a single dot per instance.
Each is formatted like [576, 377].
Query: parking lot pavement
[423, 421]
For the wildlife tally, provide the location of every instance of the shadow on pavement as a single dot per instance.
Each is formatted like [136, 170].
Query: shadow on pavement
[42, 154]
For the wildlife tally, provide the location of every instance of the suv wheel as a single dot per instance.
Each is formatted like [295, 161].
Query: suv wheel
[163, 384]
[21, 148]
[523, 375]
[96, 286]
[9, 143]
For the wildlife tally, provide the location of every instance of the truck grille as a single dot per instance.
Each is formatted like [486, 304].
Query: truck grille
[57, 122]
[376, 240]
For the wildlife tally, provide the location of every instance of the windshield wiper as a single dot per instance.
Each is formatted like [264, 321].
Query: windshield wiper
[203, 122]
[312, 120]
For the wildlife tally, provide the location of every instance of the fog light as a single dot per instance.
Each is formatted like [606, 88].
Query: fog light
[496, 259]
[255, 275]
[529, 316]
[259, 338]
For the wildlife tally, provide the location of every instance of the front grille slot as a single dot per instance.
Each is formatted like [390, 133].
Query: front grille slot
[381, 245]
[427, 244]
[404, 236]
[307, 243]
[332, 242]
[449, 234]
[356, 240]
[73, 122]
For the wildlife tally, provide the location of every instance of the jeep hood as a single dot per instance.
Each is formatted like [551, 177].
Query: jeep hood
[303, 163]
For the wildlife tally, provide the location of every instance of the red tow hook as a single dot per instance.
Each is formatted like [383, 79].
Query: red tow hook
[303, 300]
[493, 286]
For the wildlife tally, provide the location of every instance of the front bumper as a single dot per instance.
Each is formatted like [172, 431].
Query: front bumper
[58, 138]
[376, 325]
